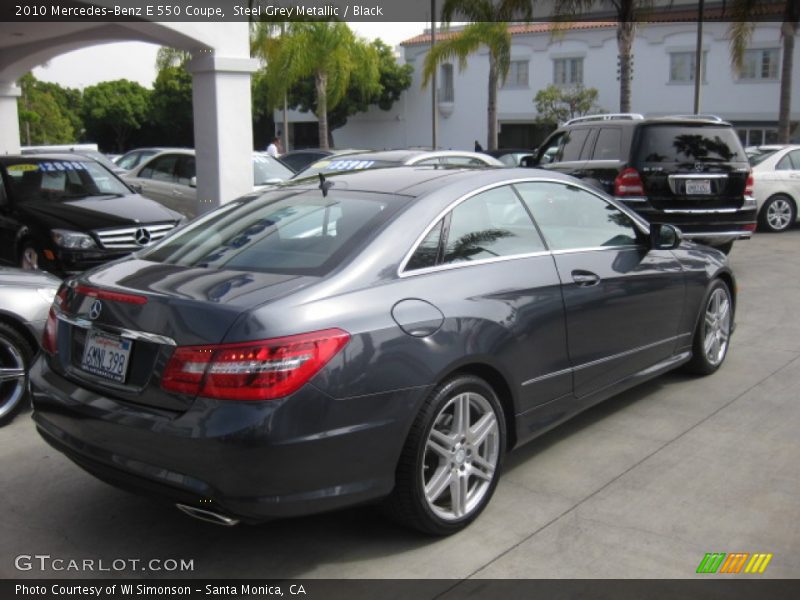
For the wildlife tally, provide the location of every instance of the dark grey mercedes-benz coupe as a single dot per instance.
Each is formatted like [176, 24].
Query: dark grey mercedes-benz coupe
[382, 335]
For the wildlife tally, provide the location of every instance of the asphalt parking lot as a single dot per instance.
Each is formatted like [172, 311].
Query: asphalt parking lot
[641, 486]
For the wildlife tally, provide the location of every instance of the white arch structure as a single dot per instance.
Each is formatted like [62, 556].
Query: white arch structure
[221, 67]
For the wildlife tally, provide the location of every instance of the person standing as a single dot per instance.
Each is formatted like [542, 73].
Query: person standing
[274, 148]
[478, 147]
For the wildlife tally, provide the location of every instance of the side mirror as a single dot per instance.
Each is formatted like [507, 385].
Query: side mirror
[664, 236]
[528, 161]
[136, 187]
[193, 182]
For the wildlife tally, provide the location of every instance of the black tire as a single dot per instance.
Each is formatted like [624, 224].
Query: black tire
[16, 355]
[778, 214]
[707, 360]
[30, 256]
[725, 248]
[465, 472]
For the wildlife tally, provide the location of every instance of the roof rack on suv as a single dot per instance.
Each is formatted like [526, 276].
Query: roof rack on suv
[714, 118]
[607, 117]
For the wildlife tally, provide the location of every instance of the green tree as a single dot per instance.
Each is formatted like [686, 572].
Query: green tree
[393, 80]
[327, 51]
[556, 104]
[69, 101]
[628, 13]
[488, 27]
[41, 120]
[740, 33]
[170, 111]
[120, 106]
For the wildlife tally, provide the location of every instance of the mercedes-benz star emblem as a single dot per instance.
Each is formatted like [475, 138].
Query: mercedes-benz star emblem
[142, 236]
[95, 309]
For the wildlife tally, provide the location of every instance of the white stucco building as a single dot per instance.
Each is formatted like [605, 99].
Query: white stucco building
[663, 83]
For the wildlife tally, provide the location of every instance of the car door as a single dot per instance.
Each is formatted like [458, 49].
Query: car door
[566, 151]
[623, 300]
[787, 170]
[485, 267]
[157, 178]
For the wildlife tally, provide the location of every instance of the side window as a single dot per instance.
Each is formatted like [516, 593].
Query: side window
[185, 170]
[550, 149]
[571, 218]
[794, 156]
[784, 164]
[572, 144]
[427, 252]
[428, 162]
[161, 169]
[464, 160]
[488, 225]
[608, 144]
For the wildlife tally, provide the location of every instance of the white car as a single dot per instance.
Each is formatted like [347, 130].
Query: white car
[776, 176]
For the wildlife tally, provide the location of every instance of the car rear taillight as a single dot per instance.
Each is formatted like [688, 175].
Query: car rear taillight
[750, 227]
[628, 183]
[102, 294]
[262, 370]
[748, 187]
[50, 335]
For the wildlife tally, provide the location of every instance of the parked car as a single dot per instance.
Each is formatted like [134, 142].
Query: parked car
[133, 158]
[776, 174]
[387, 334]
[65, 213]
[297, 160]
[25, 298]
[397, 158]
[169, 178]
[511, 157]
[689, 171]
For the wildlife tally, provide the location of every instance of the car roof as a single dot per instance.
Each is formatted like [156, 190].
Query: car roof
[418, 181]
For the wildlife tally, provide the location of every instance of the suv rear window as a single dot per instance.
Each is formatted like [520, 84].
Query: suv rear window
[689, 144]
[280, 232]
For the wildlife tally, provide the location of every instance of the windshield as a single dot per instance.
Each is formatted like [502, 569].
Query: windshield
[689, 144]
[279, 232]
[32, 180]
[134, 159]
[266, 168]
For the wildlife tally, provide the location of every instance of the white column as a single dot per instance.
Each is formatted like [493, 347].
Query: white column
[9, 119]
[223, 129]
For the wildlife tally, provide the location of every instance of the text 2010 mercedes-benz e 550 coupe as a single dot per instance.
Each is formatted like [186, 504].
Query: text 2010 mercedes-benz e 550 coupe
[387, 334]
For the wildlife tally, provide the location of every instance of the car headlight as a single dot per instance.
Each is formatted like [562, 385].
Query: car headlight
[73, 240]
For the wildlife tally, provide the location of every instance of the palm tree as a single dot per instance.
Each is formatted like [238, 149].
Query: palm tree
[628, 12]
[488, 27]
[740, 33]
[327, 51]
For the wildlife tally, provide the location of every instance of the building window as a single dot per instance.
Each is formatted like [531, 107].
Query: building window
[446, 92]
[682, 66]
[517, 74]
[568, 71]
[760, 64]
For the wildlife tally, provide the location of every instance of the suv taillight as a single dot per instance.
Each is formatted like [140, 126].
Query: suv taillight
[628, 183]
[262, 370]
[748, 187]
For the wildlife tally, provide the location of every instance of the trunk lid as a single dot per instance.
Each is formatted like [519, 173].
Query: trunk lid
[142, 310]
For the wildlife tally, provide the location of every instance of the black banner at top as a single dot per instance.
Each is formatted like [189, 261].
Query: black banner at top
[217, 11]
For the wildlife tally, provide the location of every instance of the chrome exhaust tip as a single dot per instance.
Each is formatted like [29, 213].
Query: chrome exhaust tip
[207, 515]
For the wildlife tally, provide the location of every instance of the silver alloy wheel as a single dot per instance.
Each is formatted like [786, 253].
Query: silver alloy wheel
[461, 456]
[717, 328]
[12, 376]
[30, 259]
[779, 214]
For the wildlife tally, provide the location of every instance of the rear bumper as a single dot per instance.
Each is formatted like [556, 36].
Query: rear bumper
[253, 460]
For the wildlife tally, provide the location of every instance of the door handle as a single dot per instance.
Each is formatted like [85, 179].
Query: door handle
[176, 193]
[585, 278]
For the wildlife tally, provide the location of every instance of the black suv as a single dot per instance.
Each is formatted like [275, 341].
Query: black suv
[65, 213]
[689, 171]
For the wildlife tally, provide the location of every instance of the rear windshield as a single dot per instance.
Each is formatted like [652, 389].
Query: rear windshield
[330, 166]
[689, 144]
[32, 179]
[300, 233]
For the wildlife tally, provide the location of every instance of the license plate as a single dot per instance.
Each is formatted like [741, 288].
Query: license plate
[698, 186]
[106, 356]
